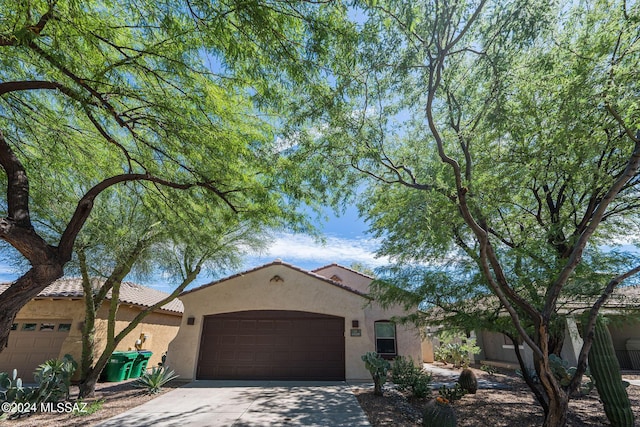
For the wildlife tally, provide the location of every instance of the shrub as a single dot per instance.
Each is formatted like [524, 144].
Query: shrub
[378, 368]
[452, 394]
[154, 380]
[407, 376]
[53, 379]
[54, 376]
[455, 349]
[421, 386]
[489, 369]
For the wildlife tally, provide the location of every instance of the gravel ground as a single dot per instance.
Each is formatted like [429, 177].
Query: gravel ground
[509, 403]
[118, 397]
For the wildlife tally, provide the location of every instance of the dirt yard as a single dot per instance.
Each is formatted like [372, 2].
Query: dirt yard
[514, 405]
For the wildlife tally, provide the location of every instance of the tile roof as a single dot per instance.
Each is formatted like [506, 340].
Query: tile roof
[293, 267]
[130, 293]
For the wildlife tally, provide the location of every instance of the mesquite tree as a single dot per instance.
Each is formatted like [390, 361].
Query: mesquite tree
[500, 145]
[140, 94]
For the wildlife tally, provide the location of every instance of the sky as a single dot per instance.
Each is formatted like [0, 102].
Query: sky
[345, 242]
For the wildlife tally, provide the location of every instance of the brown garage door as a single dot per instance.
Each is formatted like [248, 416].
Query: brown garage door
[31, 343]
[272, 345]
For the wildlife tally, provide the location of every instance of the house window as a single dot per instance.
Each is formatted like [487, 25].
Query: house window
[47, 327]
[64, 327]
[14, 327]
[385, 338]
[29, 326]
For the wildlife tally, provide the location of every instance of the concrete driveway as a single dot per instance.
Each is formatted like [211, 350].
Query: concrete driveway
[248, 403]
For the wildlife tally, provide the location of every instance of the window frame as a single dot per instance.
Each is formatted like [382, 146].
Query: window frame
[386, 355]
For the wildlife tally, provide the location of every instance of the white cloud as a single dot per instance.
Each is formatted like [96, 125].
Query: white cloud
[297, 249]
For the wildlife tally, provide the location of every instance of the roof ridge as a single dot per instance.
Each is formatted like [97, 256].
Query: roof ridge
[278, 261]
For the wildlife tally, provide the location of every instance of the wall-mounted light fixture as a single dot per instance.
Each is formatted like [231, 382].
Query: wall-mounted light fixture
[355, 324]
[191, 320]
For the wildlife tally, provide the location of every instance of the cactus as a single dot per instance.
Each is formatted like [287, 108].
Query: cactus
[439, 413]
[378, 367]
[605, 369]
[468, 381]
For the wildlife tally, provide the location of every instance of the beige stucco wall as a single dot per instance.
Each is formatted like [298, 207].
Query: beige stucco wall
[298, 291]
[160, 327]
[622, 330]
[349, 278]
[427, 350]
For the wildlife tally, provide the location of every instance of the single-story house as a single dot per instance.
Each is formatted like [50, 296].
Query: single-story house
[50, 325]
[279, 321]
[498, 350]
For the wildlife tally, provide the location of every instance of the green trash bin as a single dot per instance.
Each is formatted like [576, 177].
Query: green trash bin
[140, 364]
[119, 366]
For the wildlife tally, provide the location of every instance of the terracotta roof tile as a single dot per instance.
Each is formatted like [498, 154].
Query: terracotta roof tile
[130, 293]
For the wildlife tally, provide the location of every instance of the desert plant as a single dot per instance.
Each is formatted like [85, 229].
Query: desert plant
[91, 408]
[489, 369]
[421, 386]
[407, 376]
[605, 368]
[455, 349]
[378, 368]
[12, 391]
[468, 381]
[451, 394]
[403, 371]
[438, 412]
[564, 373]
[154, 380]
[54, 378]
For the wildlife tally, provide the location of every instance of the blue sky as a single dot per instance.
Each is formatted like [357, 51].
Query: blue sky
[345, 242]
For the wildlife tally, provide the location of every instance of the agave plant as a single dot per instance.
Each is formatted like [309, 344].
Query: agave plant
[154, 380]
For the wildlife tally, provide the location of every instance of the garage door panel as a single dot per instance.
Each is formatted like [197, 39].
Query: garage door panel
[286, 345]
[32, 343]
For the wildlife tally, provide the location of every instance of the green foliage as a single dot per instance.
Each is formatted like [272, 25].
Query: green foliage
[154, 380]
[407, 376]
[455, 349]
[489, 369]
[91, 408]
[54, 377]
[564, 373]
[378, 368]
[52, 385]
[438, 412]
[605, 369]
[468, 381]
[452, 393]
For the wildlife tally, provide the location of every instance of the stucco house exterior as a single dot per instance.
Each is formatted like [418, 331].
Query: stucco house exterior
[50, 325]
[279, 321]
[623, 312]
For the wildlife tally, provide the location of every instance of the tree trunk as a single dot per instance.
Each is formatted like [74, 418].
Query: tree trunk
[21, 292]
[558, 400]
[88, 384]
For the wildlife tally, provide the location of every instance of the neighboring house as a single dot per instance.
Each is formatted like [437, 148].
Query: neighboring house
[50, 325]
[623, 311]
[278, 321]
